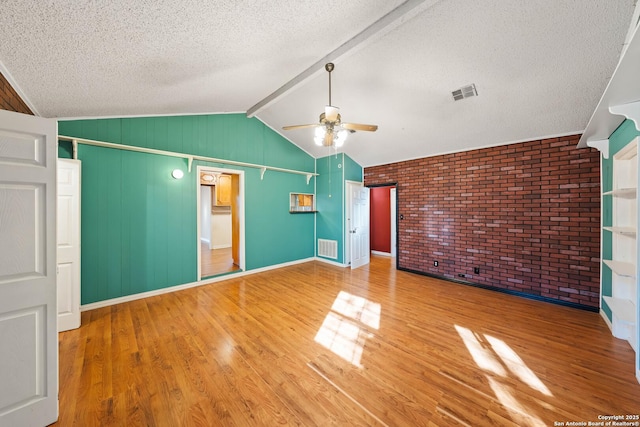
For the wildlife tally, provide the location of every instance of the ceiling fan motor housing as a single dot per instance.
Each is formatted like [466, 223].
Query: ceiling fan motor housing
[324, 119]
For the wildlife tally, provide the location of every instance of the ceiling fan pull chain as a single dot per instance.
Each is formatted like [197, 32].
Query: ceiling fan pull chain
[329, 160]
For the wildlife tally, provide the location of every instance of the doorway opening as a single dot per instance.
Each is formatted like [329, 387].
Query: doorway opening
[220, 221]
[384, 221]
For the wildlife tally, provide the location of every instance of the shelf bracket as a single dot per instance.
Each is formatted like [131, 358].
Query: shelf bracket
[262, 171]
[631, 111]
[189, 163]
[309, 175]
[602, 145]
[74, 146]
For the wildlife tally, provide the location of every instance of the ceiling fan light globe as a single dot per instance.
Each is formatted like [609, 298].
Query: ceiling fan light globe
[319, 136]
[340, 137]
[331, 113]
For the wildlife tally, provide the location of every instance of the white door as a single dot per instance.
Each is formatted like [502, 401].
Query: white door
[359, 226]
[68, 244]
[28, 331]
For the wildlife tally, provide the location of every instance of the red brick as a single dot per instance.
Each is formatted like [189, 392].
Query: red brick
[527, 214]
[10, 100]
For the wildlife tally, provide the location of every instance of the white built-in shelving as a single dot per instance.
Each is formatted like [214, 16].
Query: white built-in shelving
[620, 101]
[623, 263]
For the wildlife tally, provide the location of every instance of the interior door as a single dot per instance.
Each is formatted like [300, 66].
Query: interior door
[68, 244]
[28, 323]
[359, 231]
[235, 219]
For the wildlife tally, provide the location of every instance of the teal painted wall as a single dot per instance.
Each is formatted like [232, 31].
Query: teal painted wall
[618, 140]
[139, 225]
[352, 170]
[65, 150]
[333, 171]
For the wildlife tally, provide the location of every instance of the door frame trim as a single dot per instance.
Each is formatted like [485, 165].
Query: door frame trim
[346, 247]
[397, 218]
[241, 213]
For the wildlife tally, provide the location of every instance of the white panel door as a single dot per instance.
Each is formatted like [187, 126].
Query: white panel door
[68, 244]
[28, 329]
[359, 231]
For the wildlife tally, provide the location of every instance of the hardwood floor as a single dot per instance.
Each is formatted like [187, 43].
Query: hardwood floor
[216, 261]
[313, 344]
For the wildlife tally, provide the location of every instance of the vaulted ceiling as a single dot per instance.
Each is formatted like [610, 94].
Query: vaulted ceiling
[539, 67]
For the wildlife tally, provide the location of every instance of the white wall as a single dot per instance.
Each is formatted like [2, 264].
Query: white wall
[221, 228]
[205, 214]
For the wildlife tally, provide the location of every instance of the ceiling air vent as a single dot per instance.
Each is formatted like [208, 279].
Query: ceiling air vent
[464, 92]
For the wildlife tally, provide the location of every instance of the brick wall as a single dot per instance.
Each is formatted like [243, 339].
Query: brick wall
[10, 100]
[527, 214]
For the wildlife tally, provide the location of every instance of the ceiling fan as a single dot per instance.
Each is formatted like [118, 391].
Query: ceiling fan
[331, 131]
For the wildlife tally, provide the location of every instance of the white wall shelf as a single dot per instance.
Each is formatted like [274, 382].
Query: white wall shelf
[625, 309]
[625, 269]
[619, 100]
[625, 193]
[625, 231]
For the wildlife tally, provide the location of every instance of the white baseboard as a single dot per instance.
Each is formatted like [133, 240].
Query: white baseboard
[606, 320]
[389, 254]
[328, 261]
[128, 298]
[205, 241]
[284, 264]
[221, 246]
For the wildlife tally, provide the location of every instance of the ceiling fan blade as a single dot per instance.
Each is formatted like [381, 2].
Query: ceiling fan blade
[358, 126]
[292, 127]
[331, 113]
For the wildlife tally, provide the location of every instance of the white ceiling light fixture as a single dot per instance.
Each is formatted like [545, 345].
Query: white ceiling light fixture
[331, 131]
[211, 178]
[330, 136]
[177, 174]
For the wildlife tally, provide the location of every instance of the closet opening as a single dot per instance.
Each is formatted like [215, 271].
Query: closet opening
[384, 220]
[220, 221]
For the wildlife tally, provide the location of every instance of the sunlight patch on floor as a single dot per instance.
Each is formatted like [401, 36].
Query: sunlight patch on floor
[482, 355]
[358, 308]
[344, 330]
[516, 365]
[499, 361]
[518, 413]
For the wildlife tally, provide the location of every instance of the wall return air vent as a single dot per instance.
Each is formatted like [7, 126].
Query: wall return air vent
[464, 92]
[328, 248]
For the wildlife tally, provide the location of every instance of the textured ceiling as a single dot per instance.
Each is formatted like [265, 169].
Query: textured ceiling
[540, 67]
